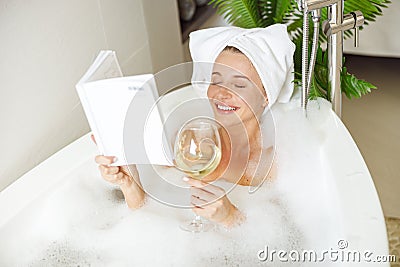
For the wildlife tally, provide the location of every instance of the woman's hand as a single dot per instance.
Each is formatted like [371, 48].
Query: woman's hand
[127, 177]
[118, 175]
[211, 202]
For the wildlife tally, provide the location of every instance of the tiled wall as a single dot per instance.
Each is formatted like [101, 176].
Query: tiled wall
[46, 46]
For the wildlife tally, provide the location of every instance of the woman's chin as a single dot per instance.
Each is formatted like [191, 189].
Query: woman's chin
[227, 118]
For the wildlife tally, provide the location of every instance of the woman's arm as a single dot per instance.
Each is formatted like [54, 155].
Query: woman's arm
[127, 177]
[132, 188]
[235, 217]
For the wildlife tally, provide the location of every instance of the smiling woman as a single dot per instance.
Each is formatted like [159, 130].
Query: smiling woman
[235, 84]
[238, 99]
[322, 192]
[243, 87]
[63, 214]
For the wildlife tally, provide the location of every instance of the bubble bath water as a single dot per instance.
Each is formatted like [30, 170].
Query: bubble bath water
[85, 222]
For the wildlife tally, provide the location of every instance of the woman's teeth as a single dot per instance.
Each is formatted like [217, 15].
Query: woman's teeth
[225, 108]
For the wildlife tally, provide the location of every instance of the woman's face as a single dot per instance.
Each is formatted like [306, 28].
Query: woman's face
[236, 92]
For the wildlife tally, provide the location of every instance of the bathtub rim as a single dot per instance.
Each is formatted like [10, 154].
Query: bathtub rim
[40, 179]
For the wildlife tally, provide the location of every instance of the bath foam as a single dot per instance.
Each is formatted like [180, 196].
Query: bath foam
[310, 196]
[84, 222]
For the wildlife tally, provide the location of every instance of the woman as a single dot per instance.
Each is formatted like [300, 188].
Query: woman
[251, 71]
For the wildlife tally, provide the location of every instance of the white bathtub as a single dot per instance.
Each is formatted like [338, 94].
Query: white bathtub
[30, 201]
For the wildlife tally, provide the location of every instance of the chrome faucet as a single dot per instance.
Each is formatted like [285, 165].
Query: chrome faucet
[333, 28]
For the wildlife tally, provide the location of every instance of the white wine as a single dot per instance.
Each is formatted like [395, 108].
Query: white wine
[200, 164]
[197, 152]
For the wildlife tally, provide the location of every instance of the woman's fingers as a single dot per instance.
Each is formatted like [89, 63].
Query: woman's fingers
[210, 201]
[216, 190]
[203, 195]
[113, 177]
[105, 160]
[114, 174]
[93, 139]
[109, 170]
[197, 202]
[203, 212]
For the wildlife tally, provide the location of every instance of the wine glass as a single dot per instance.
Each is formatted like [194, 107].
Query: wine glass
[197, 153]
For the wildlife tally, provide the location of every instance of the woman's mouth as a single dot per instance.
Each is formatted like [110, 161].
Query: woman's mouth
[224, 108]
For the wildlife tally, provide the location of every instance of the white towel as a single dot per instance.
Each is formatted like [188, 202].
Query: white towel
[269, 49]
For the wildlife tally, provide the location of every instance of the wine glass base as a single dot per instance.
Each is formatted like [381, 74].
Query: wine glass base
[196, 226]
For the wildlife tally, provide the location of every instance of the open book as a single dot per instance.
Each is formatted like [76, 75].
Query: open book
[122, 113]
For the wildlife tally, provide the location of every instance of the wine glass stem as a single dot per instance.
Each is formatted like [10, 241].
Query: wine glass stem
[197, 220]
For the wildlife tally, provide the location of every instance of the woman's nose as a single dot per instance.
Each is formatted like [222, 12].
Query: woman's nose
[223, 93]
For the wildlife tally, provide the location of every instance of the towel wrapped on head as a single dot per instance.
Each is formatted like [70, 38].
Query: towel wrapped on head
[269, 49]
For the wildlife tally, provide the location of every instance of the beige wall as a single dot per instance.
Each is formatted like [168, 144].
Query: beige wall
[164, 38]
[214, 21]
[380, 38]
[46, 46]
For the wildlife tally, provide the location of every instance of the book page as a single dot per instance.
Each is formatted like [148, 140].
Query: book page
[121, 108]
[105, 66]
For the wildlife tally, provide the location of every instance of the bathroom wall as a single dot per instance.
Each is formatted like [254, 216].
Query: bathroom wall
[214, 21]
[163, 29]
[46, 46]
[381, 37]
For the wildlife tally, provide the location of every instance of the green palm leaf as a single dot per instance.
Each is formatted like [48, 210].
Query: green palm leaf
[351, 86]
[242, 13]
[262, 13]
[319, 84]
[274, 11]
[354, 87]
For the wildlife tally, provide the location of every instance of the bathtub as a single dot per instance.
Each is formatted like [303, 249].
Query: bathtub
[41, 207]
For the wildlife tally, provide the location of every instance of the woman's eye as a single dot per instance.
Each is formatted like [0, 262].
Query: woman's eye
[240, 86]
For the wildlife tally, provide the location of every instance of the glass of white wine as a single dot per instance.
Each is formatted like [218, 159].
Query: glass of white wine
[197, 153]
